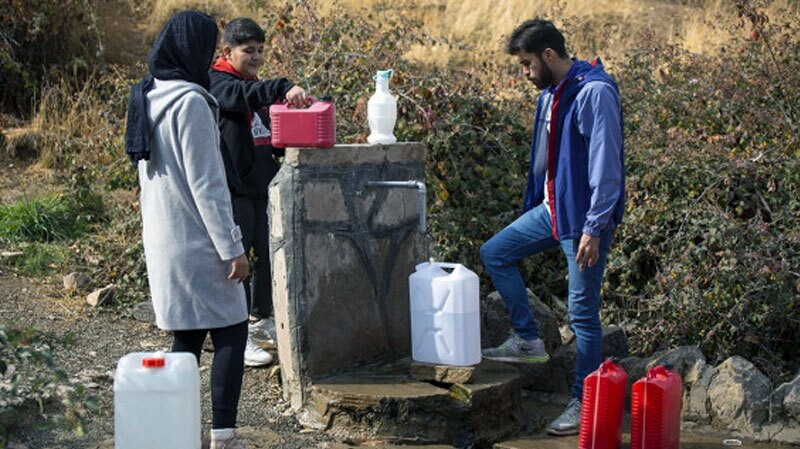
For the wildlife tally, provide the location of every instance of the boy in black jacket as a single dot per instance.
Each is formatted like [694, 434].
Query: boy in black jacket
[245, 142]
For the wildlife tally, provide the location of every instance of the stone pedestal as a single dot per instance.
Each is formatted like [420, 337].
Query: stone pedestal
[385, 403]
[341, 256]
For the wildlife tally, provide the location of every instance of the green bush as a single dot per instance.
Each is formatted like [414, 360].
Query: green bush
[31, 383]
[37, 37]
[49, 218]
[708, 252]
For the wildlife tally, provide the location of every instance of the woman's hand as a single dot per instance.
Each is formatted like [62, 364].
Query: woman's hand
[240, 268]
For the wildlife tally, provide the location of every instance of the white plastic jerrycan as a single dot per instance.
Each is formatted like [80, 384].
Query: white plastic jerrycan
[157, 401]
[382, 110]
[445, 315]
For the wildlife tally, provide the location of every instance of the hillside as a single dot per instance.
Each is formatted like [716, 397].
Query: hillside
[707, 254]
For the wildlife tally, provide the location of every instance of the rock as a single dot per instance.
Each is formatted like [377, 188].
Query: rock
[739, 396]
[274, 371]
[786, 399]
[615, 343]
[495, 322]
[23, 143]
[75, 281]
[567, 336]
[428, 372]
[102, 296]
[559, 308]
[11, 256]
[688, 361]
[144, 312]
[788, 434]
[696, 404]
[555, 376]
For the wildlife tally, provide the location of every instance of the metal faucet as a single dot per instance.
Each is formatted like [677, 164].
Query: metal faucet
[411, 184]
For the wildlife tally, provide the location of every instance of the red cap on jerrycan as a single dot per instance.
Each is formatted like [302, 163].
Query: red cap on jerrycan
[656, 410]
[602, 407]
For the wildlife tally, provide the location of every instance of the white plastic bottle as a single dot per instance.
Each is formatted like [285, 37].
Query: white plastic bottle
[157, 401]
[382, 110]
[445, 315]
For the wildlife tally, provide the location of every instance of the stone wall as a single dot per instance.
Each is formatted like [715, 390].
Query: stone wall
[341, 256]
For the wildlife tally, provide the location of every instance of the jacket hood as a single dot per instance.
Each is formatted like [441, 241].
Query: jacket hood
[166, 93]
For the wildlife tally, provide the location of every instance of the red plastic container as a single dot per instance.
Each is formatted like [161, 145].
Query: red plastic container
[656, 410]
[602, 407]
[314, 126]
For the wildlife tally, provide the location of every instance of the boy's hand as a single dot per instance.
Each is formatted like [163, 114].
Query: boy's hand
[240, 269]
[297, 97]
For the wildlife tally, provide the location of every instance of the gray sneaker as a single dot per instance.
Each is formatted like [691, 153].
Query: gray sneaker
[568, 423]
[516, 349]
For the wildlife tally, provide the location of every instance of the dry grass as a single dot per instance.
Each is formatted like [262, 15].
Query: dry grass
[604, 27]
[73, 118]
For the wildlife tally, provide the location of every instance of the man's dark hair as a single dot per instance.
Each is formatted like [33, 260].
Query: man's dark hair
[240, 31]
[534, 36]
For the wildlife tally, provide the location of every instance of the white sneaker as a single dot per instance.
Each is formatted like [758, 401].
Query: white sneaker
[230, 443]
[262, 331]
[254, 355]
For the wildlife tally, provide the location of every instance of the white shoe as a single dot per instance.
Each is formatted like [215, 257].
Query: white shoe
[262, 331]
[230, 443]
[254, 355]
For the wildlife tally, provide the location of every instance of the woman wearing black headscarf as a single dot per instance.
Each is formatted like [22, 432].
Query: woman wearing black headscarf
[195, 258]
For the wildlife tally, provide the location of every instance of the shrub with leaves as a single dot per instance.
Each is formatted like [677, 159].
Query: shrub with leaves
[31, 383]
[709, 250]
[37, 37]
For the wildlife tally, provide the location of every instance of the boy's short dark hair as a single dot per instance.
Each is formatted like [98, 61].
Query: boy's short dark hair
[242, 30]
[534, 36]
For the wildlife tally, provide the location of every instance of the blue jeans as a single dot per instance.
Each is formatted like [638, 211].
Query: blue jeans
[533, 233]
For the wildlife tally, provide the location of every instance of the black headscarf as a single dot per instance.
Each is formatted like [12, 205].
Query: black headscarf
[183, 51]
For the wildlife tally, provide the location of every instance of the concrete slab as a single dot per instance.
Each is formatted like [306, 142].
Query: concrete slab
[386, 403]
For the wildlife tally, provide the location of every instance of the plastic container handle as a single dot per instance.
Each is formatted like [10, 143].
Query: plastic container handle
[446, 264]
[291, 106]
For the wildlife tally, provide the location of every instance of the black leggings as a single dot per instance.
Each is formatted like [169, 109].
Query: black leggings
[226, 369]
[251, 216]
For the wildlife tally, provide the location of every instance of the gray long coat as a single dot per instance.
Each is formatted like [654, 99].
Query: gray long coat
[188, 229]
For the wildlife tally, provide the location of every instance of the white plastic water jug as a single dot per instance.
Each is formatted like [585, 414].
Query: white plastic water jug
[445, 315]
[157, 401]
[382, 110]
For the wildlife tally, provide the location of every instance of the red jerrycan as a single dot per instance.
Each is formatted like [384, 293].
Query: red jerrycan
[602, 407]
[314, 126]
[656, 410]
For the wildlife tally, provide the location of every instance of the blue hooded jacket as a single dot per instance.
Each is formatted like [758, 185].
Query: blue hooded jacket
[589, 166]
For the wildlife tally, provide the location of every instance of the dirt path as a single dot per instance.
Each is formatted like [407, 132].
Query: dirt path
[100, 338]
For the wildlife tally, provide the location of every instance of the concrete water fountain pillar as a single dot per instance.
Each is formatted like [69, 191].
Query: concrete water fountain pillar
[342, 249]
[341, 255]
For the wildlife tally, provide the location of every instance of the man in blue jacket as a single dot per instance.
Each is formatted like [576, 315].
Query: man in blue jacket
[574, 199]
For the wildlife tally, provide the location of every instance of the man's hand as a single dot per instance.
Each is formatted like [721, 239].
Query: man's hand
[588, 251]
[240, 268]
[297, 97]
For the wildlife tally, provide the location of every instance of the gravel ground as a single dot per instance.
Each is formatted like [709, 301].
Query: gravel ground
[101, 337]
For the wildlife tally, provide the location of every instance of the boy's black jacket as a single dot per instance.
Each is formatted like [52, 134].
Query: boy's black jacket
[249, 162]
